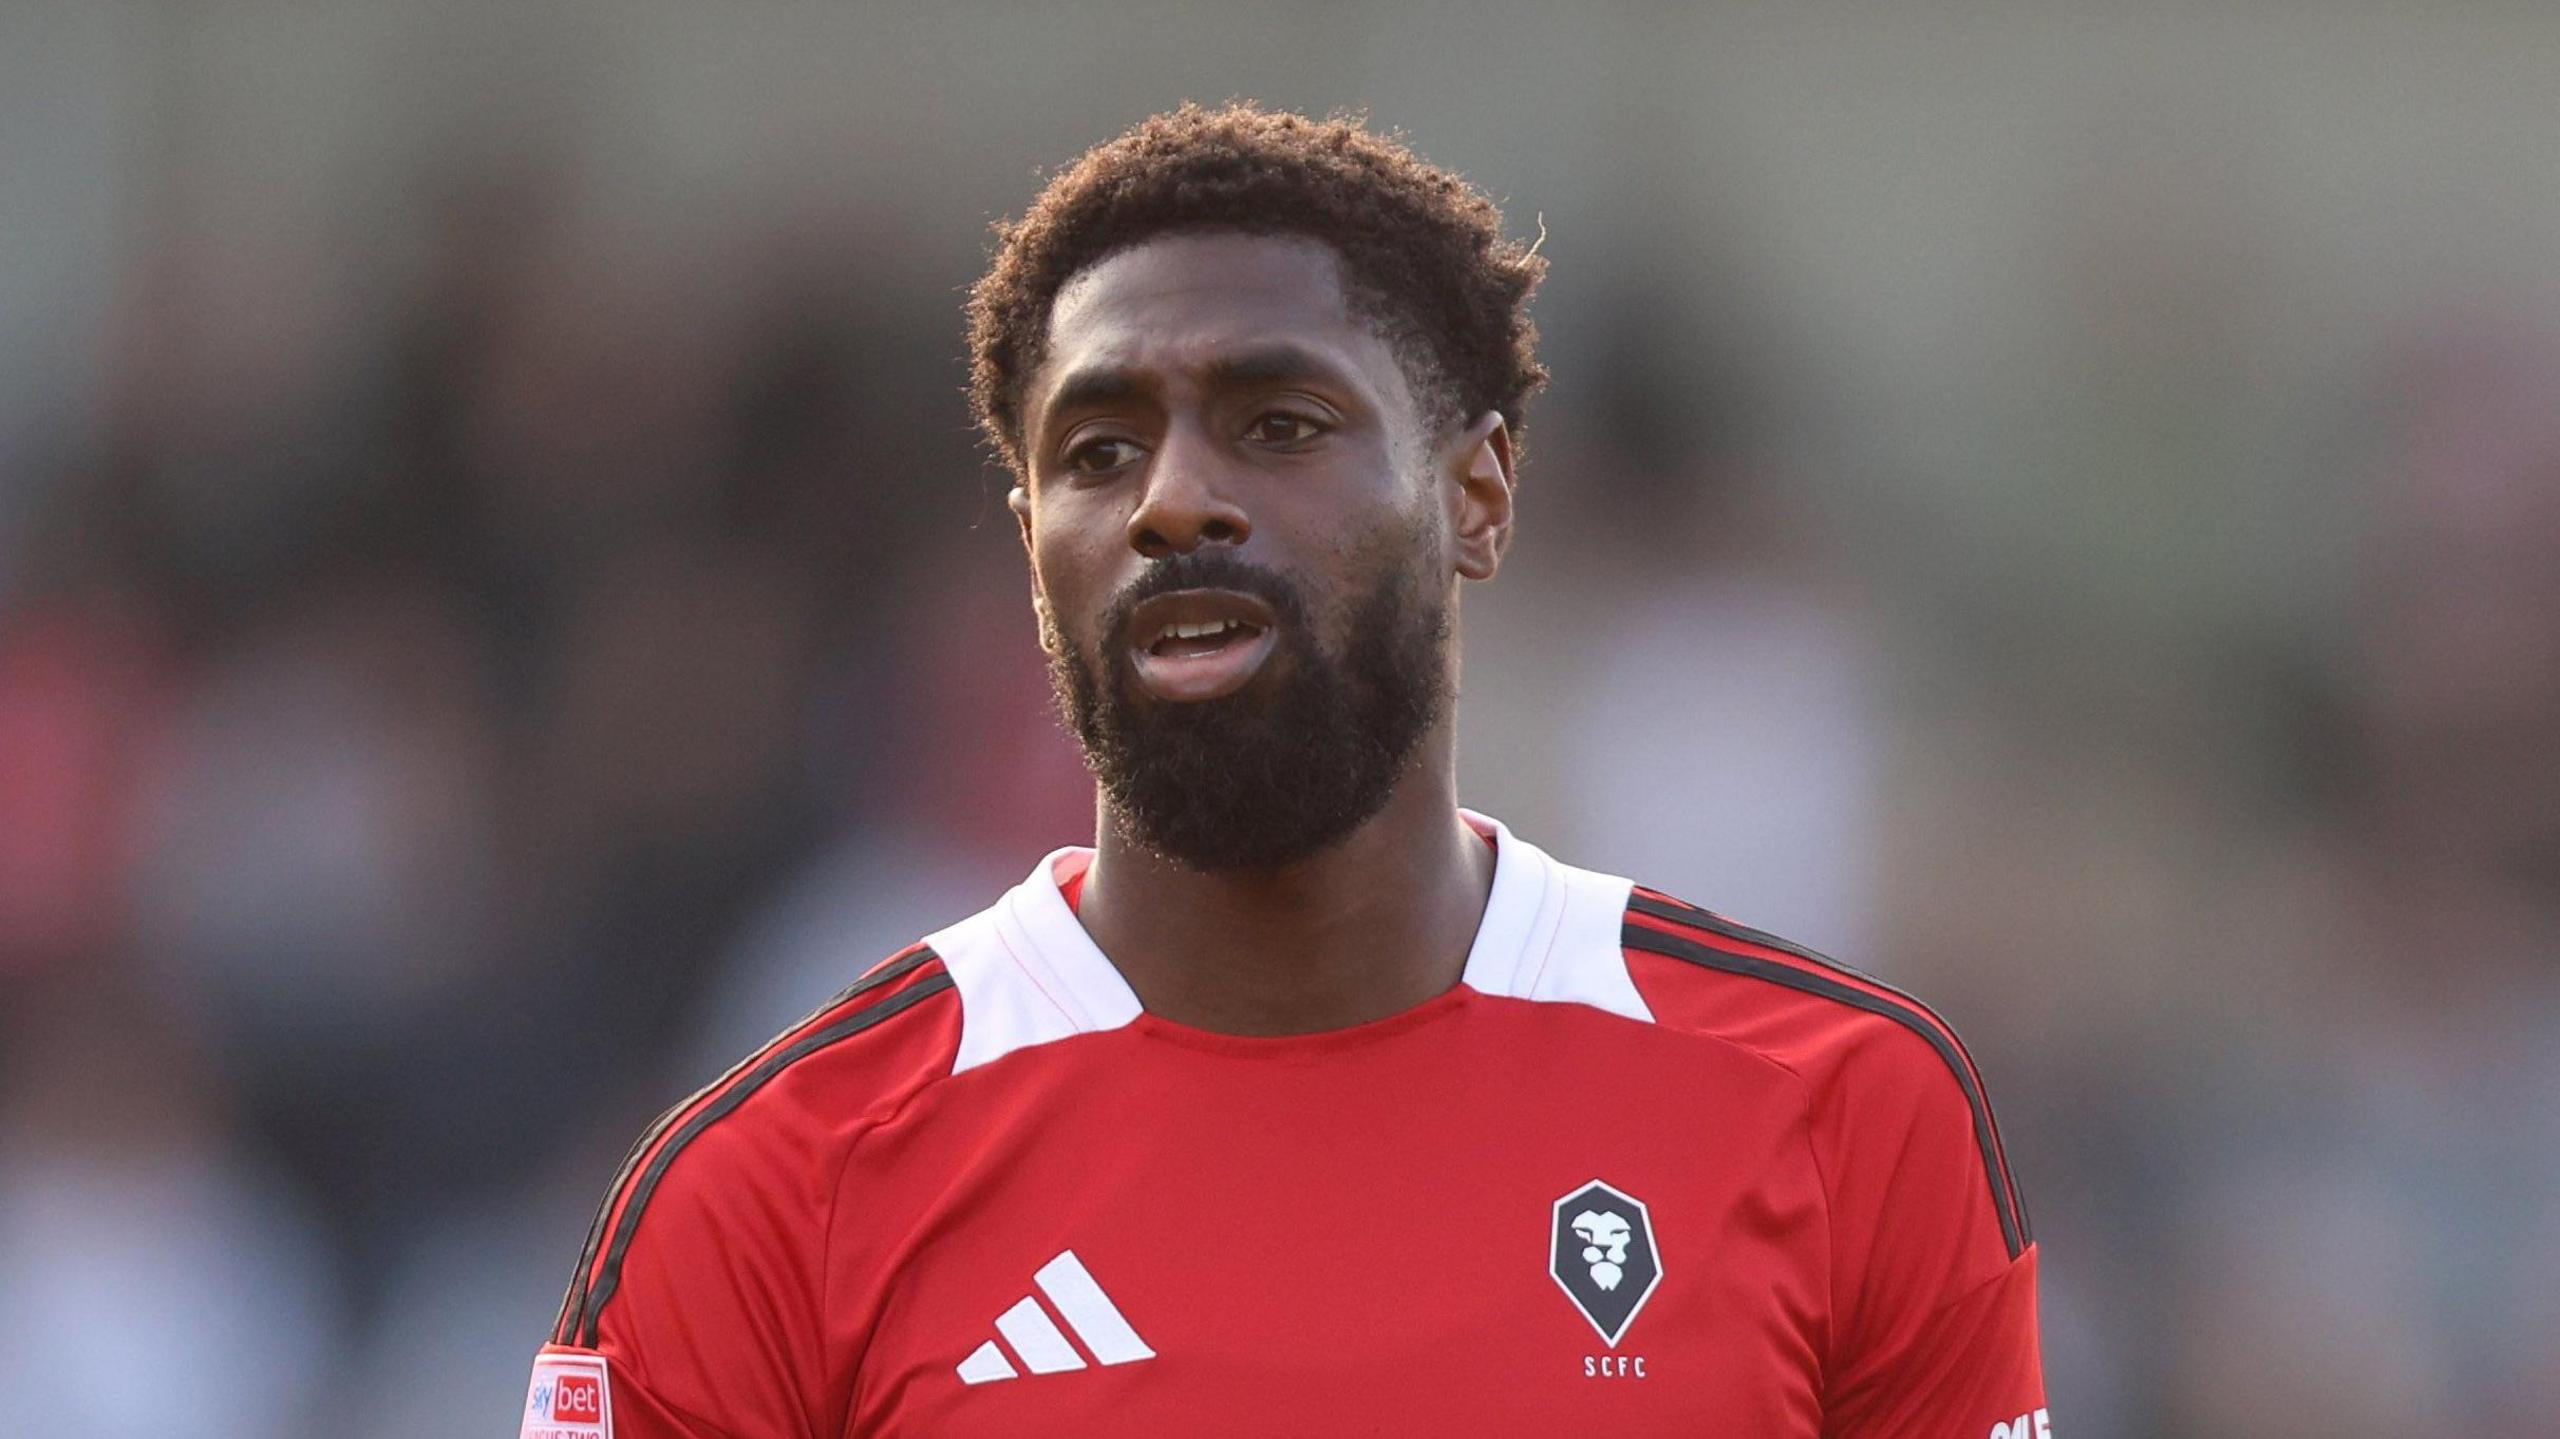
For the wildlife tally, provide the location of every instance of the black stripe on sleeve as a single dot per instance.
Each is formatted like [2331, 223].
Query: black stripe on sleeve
[573, 1304]
[2013, 1230]
[1682, 912]
[609, 1276]
[1696, 918]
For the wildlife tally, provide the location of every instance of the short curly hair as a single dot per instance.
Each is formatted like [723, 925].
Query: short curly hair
[1421, 249]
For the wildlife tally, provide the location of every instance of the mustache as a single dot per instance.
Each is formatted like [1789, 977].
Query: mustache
[1219, 569]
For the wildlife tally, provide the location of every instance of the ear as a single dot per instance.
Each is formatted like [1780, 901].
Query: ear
[1477, 467]
[1019, 501]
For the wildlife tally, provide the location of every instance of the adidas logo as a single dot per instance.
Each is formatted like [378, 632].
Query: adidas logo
[1036, 1340]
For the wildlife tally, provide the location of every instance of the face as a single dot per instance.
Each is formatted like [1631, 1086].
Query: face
[1245, 536]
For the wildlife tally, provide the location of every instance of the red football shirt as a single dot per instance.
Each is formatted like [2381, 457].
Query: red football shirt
[1644, 1171]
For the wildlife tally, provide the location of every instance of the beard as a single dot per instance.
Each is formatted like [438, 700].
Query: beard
[1288, 766]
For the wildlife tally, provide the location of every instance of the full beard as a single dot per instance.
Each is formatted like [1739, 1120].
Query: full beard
[1291, 764]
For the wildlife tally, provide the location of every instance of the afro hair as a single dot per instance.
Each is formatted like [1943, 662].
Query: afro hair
[1421, 250]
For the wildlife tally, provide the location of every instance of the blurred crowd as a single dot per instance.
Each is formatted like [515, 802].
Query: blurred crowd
[460, 689]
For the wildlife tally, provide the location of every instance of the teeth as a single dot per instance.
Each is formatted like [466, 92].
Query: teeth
[1199, 631]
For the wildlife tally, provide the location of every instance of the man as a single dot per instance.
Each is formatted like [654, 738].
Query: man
[1304, 1102]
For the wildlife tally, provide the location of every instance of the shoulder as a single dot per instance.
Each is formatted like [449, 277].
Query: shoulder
[1701, 970]
[772, 1125]
[1880, 1064]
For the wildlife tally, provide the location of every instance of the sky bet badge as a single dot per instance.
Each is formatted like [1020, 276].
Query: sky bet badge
[1603, 1256]
[571, 1397]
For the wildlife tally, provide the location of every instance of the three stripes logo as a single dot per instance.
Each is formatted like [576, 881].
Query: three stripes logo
[1036, 1340]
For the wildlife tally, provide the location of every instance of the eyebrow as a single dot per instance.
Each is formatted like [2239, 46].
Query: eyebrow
[1268, 364]
[1272, 364]
[1095, 387]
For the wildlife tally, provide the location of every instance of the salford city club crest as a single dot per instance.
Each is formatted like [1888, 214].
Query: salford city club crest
[1603, 1256]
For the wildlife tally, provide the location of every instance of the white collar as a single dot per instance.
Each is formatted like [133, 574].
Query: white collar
[1028, 973]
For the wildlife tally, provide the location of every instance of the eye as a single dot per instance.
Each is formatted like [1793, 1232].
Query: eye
[1102, 455]
[1284, 427]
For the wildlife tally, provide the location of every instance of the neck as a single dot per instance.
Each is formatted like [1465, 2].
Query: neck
[1373, 925]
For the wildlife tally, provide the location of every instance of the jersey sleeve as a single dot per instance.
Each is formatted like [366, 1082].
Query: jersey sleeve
[1968, 1368]
[697, 1307]
[1935, 1275]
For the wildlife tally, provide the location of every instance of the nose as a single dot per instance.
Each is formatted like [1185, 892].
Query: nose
[1187, 500]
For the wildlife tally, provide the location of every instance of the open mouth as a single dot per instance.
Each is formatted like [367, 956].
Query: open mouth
[1189, 641]
[1192, 645]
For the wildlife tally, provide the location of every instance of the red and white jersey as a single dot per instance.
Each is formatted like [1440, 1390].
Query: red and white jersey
[1644, 1171]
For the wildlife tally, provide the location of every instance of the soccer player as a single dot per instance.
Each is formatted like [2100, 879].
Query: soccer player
[1304, 1101]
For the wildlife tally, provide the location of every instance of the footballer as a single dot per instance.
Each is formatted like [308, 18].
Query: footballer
[1304, 1101]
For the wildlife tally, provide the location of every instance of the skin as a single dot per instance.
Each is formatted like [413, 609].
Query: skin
[1141, 440]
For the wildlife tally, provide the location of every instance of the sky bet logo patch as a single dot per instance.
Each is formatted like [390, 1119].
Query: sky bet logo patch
[570, 1398]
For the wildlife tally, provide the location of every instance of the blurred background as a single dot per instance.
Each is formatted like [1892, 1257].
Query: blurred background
[501, 608]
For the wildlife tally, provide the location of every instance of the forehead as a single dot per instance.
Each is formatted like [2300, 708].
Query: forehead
[1175, 304]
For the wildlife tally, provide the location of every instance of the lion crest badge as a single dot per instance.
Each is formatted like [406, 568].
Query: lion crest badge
[1602, 1255]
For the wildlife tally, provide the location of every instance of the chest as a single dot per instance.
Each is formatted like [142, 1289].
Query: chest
[1481, 1242]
